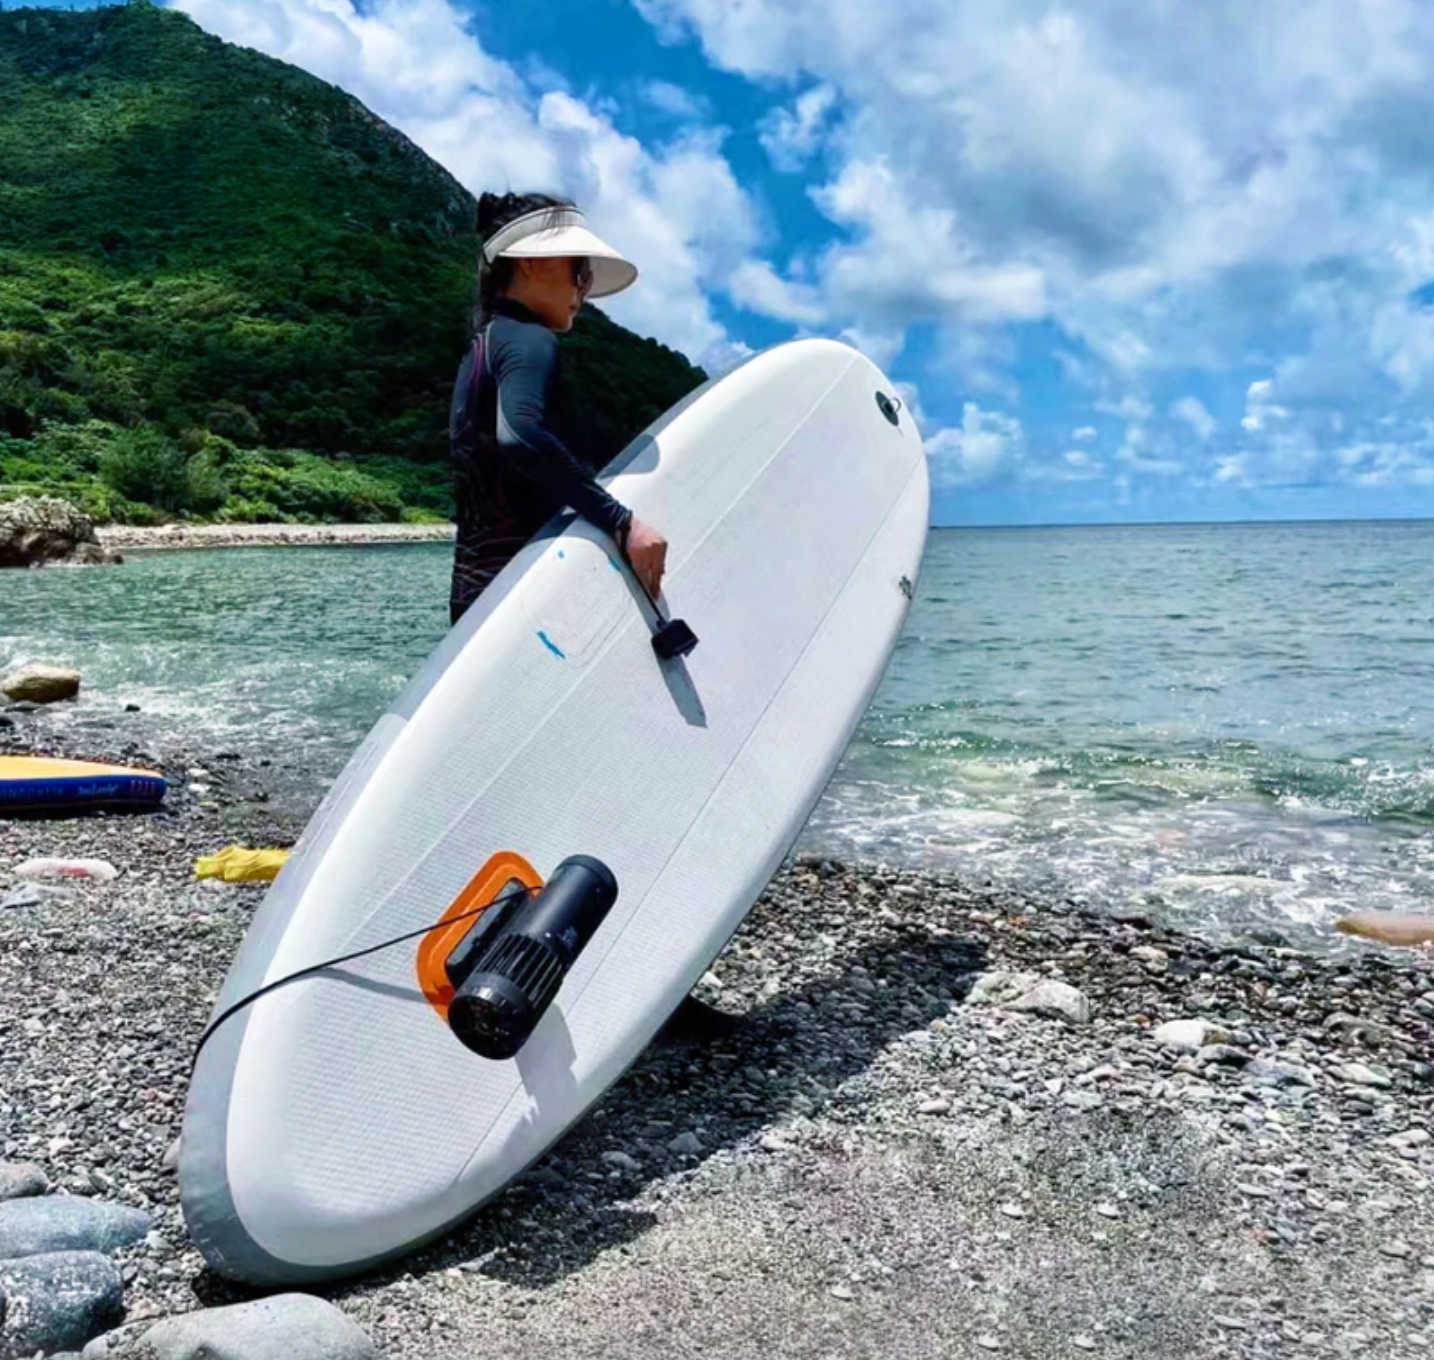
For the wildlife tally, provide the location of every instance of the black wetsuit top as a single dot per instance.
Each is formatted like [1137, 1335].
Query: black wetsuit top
[516, 468]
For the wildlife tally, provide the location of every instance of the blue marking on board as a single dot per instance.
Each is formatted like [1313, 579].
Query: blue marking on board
[561, 553]
[613, 565]
[550, 645]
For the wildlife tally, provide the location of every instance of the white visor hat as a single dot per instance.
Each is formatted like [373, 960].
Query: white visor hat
[558, 232]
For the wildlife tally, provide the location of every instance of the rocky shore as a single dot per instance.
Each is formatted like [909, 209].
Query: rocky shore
[953, 1121]
[132, 536]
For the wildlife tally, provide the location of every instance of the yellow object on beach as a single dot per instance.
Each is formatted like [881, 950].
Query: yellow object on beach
[235, 864]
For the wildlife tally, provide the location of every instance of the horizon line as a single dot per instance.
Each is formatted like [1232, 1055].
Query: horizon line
[1190, 523]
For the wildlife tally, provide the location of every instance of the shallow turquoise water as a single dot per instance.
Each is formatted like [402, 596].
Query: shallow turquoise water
[1232, 724]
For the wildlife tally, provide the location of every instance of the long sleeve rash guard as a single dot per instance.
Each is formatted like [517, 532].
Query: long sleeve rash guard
[518, 472]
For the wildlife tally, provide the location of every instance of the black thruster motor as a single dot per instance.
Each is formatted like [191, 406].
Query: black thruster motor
[507, 975]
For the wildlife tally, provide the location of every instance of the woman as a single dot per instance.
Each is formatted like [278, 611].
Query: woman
[515, 466]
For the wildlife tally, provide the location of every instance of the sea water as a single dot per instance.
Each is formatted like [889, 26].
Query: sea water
[1227, 726]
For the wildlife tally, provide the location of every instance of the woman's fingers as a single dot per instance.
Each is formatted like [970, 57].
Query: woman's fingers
[647, 554]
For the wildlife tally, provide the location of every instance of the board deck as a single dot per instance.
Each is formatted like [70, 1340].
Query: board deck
[32, 785]
[336, 1121]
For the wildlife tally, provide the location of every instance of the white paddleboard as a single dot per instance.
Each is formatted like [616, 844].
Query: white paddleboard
[336, 1121]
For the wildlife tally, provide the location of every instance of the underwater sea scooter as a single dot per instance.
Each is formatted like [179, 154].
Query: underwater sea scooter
[507, 968]
[493, 964]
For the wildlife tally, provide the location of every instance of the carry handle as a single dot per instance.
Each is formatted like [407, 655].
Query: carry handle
[671, 638]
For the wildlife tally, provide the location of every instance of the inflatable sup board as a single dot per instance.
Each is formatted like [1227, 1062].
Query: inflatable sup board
[34, 785]
[619, 798]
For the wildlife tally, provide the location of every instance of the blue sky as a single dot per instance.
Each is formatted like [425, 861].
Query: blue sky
[1126, 262]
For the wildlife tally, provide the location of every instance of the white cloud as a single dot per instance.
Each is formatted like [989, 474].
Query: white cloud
[1173, 187]
[1192, 411]
[790, 135]
[1260, 406]
[1085, 433]
[676, 210]
[1073, 466]
[913, 262]
[1128, 407]
[1231, 469]
[756, 286]
[1136, 455]
[677, 101]
[1080, 466]
[881, 346]
[985, 447]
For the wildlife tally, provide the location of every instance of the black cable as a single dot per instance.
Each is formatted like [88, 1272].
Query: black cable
[343, 958]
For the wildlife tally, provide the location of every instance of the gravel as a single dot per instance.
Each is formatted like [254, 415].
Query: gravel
[867, 1166]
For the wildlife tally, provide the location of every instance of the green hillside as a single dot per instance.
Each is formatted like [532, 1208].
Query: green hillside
[228, 290]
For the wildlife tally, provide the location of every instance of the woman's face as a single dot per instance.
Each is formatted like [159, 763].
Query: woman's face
[554, 288]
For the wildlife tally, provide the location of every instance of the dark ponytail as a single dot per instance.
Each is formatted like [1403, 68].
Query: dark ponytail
[495, 211]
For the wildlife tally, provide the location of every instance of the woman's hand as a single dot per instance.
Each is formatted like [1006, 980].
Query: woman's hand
[646, 554]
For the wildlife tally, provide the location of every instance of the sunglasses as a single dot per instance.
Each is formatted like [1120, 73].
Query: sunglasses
[582, 272]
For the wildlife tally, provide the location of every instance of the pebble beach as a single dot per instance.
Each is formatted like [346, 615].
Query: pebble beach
[128, 537]
[950, 1120]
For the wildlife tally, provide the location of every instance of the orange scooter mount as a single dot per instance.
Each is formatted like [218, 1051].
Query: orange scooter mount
[504, 874]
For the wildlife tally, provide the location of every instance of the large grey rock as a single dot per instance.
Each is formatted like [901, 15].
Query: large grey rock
[284, 1327]
[39, 529]
[20, 1179]
[41, 684]
[57, 1302]
[29, 1227]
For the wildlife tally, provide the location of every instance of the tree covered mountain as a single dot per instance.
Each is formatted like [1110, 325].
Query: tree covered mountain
[228, 289]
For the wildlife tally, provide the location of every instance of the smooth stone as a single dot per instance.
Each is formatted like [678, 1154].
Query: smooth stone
[23, 896]
[1410, 1138]
[1224, 1054]
[1390, 927]
[1360, 1074]
[41, 684]
[1268, 1072]
[58, 1301]
[284, 1327]
[686, 1142]
[20, 1180]
[31, 1227]
[1058, 999]
[998, 988]
[1187, 1035]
